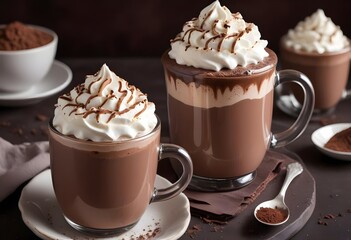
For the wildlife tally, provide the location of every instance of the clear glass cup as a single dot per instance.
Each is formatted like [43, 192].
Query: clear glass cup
[223, 119]
[103, 188]
[328, 73]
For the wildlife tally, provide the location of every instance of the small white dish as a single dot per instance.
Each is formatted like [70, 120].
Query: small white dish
[22, 69]
[58, 77]
[322, 135]
[41, 213]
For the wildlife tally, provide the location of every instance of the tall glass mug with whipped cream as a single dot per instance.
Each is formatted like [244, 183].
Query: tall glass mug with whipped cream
[220, 79]
[104, 151]
[319, 49]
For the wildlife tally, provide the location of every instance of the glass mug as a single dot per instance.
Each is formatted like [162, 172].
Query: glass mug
[103, 188]
[223, 119]
[328, 73]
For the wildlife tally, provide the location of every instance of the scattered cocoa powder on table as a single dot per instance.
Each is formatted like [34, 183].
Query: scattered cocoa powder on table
[18, 36]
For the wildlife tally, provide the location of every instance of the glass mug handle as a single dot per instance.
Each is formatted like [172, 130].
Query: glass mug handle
[284, 76]
[347, 92]
[167, 150]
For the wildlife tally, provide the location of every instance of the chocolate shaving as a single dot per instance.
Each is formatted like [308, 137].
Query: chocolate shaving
[41, 117]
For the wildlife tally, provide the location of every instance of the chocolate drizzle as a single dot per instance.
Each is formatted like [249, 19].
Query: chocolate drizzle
[103, 86]
[206, 17]
[219, 37]
[126, 94]
[253, 74]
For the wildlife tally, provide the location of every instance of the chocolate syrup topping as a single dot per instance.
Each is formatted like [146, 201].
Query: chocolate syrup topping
[223, 79]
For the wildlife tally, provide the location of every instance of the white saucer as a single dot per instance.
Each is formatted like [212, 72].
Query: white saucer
[41, 213]
[59, 76]
[322, 135]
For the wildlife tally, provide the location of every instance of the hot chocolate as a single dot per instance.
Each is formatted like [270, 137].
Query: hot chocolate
[318, 48]
[220, 78]
[104, 151]
[238, 102]
[88, 178]
[328, 73]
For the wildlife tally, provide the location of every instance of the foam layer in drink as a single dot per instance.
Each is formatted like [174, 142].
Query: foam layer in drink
[206, 89]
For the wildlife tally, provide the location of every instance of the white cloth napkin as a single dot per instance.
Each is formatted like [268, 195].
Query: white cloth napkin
[19, 163]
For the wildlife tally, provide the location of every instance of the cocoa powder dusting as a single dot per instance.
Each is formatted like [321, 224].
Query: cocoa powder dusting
[194, 231]
[18, 36]
[340, 141]
[271, 215]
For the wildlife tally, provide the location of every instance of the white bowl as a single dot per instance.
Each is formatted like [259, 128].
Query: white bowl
[22, 69]
[322, 135]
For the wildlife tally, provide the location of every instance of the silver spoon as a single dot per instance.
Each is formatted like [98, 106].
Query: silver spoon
[293, 170]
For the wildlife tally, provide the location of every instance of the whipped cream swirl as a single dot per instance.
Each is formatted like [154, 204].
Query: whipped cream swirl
[218, 39]
[104, 108]
[317, 33]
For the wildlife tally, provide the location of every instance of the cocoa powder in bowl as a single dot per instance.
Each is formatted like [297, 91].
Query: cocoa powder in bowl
[18, 36]
[340, 141]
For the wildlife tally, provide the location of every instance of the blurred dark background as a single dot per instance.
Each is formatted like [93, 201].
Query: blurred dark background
[112, 28]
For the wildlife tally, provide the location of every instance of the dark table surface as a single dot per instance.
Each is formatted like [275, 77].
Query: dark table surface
[332, 177]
